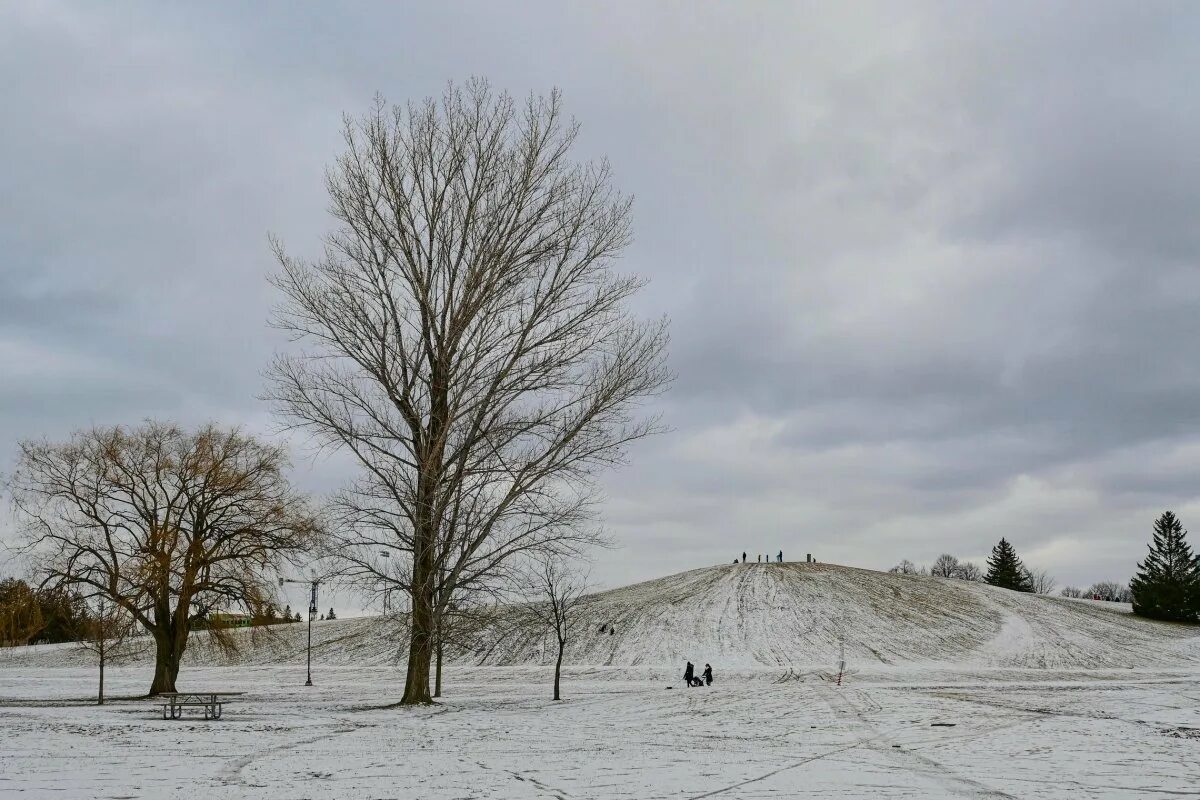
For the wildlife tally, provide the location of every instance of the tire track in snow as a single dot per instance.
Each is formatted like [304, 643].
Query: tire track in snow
[929, 768]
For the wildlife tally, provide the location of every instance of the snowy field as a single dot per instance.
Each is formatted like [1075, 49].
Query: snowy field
[891, 732]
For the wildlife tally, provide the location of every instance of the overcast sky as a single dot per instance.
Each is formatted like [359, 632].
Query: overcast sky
[932, 269]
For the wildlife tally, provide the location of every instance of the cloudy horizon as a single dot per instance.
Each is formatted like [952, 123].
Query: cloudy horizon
[931, 268]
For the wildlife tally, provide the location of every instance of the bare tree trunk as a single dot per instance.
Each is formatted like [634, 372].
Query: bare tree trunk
[420, 647]
[558, 668]
[164, 676]
[437, 681]
[438, 649]
[100, 696]
[420, 651]
[168, 652]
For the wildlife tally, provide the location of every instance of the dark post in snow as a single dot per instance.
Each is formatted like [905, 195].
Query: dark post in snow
[312, 614]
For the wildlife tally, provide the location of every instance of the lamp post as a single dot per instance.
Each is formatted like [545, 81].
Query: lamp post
[312, 614]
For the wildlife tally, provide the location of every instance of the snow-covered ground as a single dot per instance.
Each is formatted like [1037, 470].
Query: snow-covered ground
[952, 690]
[621, 733]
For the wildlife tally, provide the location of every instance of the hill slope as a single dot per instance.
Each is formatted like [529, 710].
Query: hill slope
[760, 615]
[749, 615]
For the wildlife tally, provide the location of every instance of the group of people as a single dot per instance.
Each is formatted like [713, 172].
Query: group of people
[689, 675]
[762, 558]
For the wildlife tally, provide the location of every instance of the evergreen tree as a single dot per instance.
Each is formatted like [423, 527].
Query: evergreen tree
[1006, 570]
[331, 615]
[1167, 585]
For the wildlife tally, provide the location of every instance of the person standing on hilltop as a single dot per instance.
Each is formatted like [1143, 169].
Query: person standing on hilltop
[780, 556]
[689, 672]
[760, 558]
[708, 674]
[743, 556]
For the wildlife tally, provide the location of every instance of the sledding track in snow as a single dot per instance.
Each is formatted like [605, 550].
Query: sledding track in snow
[796, 615]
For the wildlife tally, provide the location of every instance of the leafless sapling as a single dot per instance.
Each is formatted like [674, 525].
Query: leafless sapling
[107, 632]
[559, 590]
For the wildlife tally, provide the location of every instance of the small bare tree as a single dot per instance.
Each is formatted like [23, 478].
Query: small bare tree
[106, 633]
[558, 593]
[165, 524]
[1072, 591]
[968, 571]
[1110, 590]
[906, 567]
[1042, 581]
[946, 566]
[469, 345]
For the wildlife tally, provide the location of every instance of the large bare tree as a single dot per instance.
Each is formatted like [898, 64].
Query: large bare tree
[945, 566]
[167, 524]
[467, 342]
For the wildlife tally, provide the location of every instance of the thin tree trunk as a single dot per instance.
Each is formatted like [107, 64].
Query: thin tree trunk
[437, 681]
[558, 668]
[100, 696]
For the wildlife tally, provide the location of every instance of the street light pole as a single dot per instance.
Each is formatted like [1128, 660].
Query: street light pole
[312, 614]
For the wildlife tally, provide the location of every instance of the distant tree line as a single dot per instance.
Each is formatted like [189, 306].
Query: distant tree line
[1166, 586]
[1004, 569]
[48, 615]
[51, 615]
[1101, 590]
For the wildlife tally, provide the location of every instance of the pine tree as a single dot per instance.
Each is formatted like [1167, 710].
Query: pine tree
[1006, 570]
[1167, 585]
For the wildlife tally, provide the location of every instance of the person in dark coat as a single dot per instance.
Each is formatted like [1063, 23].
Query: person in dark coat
[708, 674]
[743, 558]
[689, 673]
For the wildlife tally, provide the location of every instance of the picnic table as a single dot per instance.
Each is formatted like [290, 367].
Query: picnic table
[175, 702]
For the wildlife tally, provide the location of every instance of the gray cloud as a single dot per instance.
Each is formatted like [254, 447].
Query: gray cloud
[931, 269]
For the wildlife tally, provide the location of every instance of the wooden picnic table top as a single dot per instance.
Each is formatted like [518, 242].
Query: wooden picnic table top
[199, 694]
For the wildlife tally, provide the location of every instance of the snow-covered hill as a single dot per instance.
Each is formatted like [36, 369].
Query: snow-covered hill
[753, 615]
[759, 615]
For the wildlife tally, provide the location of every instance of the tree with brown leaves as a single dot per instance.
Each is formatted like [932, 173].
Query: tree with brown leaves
[166, 524]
